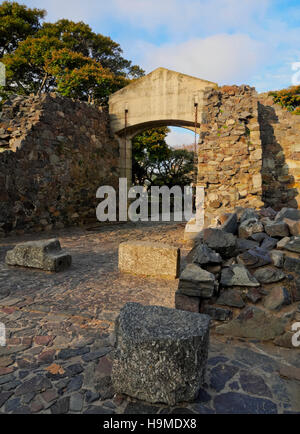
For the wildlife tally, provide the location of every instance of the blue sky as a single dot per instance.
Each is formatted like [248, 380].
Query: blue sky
[226, 41]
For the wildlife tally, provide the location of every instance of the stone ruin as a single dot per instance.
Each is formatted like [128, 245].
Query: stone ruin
[245, 273]
[56, 152]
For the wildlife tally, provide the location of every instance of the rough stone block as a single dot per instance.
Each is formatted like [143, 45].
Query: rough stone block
[196, 282]
[218, 313]
[277, 258]
[277, 298]
[189, 304]
[294, 226]
[148, 258]
[289, 213]
[161, 353]
[254, 323]
[46, 255]
[222, 242]
[278, 229]
[292, 264]
[231, 224]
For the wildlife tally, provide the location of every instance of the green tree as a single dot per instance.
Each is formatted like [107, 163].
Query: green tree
[80, 38]
[288, 98]
[149, 149]
[17, 22]
[65, 56]
[156, 163]
[177, 169]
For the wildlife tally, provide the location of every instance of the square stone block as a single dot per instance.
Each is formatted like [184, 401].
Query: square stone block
[149, 258]
[161, 353]
[46, 255]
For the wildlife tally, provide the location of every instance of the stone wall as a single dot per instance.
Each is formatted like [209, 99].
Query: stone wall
[230, 150]
[280, 132]
[54, 154]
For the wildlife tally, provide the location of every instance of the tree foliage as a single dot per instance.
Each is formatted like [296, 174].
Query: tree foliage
[156, 163]
[288, 98]
[65, 56]
[17, 22]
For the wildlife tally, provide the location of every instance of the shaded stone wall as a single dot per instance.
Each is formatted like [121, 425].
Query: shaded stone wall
[280, 135]
[230, 150]
[54, 154]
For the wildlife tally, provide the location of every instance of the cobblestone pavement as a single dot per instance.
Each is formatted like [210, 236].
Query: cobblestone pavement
[60, 341]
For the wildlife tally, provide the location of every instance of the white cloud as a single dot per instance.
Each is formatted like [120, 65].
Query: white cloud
[180, 136]
[175, 16]
[227, 41]
[221, 58]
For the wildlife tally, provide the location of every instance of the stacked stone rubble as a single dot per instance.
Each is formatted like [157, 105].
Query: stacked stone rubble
[246, 272]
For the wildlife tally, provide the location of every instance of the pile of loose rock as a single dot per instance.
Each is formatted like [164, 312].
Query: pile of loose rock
[247, 272]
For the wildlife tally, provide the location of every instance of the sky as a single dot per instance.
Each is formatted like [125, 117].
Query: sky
[253, 42]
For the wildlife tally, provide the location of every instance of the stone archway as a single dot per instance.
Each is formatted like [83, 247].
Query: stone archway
[162, 98]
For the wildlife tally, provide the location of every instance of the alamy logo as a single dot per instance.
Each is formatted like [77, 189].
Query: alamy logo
[296, 336]
[139, 204]
[2, 74]
[2, 335]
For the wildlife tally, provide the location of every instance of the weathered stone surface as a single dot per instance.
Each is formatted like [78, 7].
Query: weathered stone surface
[237, 275]
[292, 264]
[53, 189]
[220, 241]
[293, 225]
[277, 229]
[277, 258]
[269, 275]
[148, 258]
[268, 212]
[196, 282]
[218, 313]
[203, 255]
[36, 384]
[250, 227]
[248, 213]
[255, 258]
[243, 245]
[254, 323]
[231, 224]
[152, 343]
[254, 295]
[277, 298]
[220, 375]
[285, 340]
[231, 298]
[296, 291]
[76, 402]
[61, 406]
[282, 243]
[269, 243]
[293, 245]
[254, 384]
[239, 403]
[46, 255]
[259, 237]
[184, 302]
[290, 372]
[289, 213]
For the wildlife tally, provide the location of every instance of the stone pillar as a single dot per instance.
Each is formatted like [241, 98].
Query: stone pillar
[125, 164]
